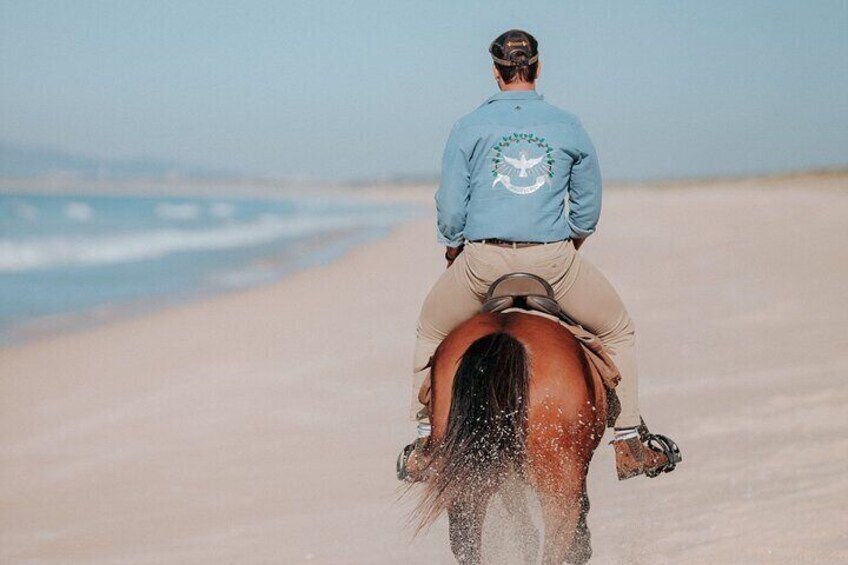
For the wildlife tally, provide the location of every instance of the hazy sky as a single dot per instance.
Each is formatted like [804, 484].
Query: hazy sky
[357, 89]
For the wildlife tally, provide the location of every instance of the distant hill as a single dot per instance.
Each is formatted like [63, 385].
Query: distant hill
[22, 161]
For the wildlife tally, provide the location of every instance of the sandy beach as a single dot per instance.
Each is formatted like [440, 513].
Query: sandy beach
[262, 426]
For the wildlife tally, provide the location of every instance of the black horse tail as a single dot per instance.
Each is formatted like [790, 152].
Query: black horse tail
[484, 440]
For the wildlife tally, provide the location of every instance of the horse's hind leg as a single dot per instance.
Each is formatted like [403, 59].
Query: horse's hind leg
[580, 549]
[465, 519]
[564, 506]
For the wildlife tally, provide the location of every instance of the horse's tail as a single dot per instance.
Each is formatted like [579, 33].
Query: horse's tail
[484, 440]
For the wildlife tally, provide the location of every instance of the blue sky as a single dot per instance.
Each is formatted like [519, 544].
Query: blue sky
[352, 90]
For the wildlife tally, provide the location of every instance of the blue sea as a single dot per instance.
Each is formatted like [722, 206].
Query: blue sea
[67, 261]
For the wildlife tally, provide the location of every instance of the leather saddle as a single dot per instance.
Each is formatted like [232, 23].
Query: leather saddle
[529, 292]
[525, 291]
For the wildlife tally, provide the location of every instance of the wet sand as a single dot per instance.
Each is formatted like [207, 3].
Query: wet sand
[262, 426]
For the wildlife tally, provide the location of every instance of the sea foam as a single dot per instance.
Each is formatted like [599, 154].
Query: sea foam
[17, 256]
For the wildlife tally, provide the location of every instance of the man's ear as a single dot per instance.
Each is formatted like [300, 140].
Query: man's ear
[538, 70]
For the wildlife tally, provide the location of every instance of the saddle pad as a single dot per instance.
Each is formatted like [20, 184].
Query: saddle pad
[597, 355]
[595, 351]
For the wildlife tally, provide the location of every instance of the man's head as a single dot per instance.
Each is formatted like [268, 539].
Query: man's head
[516, 58]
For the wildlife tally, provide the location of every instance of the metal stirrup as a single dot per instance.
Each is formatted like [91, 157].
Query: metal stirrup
[666, 446]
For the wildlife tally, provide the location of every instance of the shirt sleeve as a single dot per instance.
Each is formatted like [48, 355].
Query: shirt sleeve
[454, 191]
[584, 192]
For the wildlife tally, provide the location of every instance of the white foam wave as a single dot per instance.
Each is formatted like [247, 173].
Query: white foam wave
[221, 210]
[18, 256]
[78, 211]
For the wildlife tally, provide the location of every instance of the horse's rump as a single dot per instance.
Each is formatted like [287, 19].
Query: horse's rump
[522, 400]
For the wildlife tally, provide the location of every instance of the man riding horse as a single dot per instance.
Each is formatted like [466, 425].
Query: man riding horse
[520, 191]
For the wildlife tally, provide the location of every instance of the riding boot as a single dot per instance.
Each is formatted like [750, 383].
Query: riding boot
[633, 458]
[412, 461]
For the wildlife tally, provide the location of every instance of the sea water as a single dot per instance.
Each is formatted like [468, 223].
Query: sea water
[71, 260]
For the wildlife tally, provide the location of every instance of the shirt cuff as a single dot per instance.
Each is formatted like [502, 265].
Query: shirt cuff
[577, 233]
[455, 242]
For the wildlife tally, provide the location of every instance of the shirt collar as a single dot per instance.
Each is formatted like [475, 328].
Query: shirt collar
[514, 95]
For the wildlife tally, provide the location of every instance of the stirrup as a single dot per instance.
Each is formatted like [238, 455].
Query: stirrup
[402, 473]
[666, 446]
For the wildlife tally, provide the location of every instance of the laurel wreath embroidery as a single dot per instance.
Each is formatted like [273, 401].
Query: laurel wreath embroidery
[502, 164]
[508, 140]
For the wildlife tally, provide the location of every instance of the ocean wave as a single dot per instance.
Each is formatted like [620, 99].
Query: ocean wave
[222, 210]
[78, 211]
[18, 256]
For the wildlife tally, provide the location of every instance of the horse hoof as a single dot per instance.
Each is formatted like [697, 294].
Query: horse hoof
[579, 556]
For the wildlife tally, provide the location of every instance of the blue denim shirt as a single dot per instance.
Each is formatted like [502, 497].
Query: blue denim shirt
[518, 169]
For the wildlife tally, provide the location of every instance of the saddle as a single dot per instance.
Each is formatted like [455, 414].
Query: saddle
[525, 291]
[532, 293]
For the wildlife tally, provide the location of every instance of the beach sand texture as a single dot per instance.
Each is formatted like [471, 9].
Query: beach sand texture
[262, 426]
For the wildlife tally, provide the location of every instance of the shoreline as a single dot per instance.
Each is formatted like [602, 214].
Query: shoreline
[270, 268]
[329, 247]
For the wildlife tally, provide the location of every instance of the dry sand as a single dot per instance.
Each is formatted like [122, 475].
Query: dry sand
[262, 427]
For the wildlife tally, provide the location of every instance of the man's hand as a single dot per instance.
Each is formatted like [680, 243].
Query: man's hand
[451, 253]
[577, 243]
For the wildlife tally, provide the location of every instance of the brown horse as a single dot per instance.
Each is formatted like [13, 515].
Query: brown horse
[513, 398]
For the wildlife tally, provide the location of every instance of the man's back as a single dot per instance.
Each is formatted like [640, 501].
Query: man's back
[518, 169]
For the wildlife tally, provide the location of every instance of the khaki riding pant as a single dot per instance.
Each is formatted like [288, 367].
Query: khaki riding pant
[581, 290]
